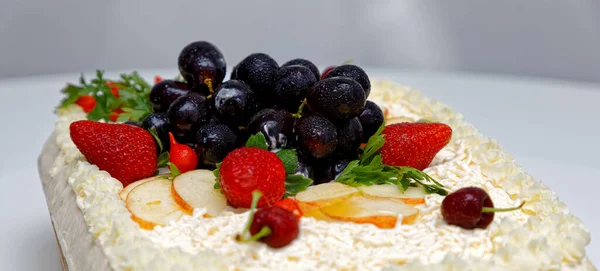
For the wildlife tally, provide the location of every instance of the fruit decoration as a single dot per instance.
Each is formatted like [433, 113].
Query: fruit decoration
[273, 225]
[470, 208]
[125, 151]
[181, 156]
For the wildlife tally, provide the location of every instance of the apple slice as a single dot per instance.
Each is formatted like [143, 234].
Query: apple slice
[195, 189]
[382, 212]
[413, 195]
[131, 186]
[318, 196]
[151, 204]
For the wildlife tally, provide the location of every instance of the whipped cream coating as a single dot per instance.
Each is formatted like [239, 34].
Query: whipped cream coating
[541, 236]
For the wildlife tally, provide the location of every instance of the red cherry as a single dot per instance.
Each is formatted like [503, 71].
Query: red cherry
[470, 207]
[273, 225]
[282, 225]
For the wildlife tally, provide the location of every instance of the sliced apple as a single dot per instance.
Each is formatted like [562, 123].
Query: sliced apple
[195, 189]
[382, 212]
[131, 186]
[151, 204]
[413, 195]
[318, 196]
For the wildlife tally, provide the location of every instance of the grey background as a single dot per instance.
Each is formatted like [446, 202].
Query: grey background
[542, 38]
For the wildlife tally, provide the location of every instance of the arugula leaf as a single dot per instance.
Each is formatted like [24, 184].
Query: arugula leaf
[370, 170]
[296, 183]
[289, 159]
[258, 141]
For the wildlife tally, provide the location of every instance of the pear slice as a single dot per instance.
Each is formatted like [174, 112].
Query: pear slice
[315, 197]
[131, 186]
[413, 195]
[381, 212]
[195, 189]
[152, 204]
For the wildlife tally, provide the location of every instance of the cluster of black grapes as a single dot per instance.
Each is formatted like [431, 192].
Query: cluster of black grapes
[325, 118]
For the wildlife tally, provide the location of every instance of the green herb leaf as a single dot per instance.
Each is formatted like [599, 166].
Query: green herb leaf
[258, 141]
[154, 134]
[216, 173]
[296, 183]
[373, 145]
[163, 159]
[174, 170]
[289, 159]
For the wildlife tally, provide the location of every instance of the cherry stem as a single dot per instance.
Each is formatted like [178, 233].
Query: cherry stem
[256, 194]
[208, 83]
[497, 210]
[300, 109]
[264, 231]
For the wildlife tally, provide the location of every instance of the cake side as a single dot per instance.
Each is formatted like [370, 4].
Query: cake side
[109, 219]
[78, 249]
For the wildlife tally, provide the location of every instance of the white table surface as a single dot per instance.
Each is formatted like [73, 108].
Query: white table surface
[550, 127]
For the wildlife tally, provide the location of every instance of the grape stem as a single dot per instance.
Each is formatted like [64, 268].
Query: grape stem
[300, 109]
[497, 210]
[208, 83]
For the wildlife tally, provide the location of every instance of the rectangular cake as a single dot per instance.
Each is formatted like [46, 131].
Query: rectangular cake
[95, 229]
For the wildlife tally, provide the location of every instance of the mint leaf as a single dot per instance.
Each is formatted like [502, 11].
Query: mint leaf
[174, 170]
[216, 173]
[163, 159]
[296, 183]
[289, 159]
[258, 141]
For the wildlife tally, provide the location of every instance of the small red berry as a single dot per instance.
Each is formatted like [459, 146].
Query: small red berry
[87, 102]
[114, 115]
[470, 207]
[283, 226]
[291, 206]
[157, 79]
[114, 89]
[326, 71]
[182, 156]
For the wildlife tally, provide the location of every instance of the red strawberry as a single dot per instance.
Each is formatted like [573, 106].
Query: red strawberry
[182, 156]
[87, 102]
[414, 144]
[125, 151]
[247, 169]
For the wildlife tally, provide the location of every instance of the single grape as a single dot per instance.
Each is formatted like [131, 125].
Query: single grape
[276, 125]
[353, 72]
[165, 92]
[371, 119]
[259, 71]
[187, 113]
[214, 142]
[321, 172]
[235, 103]
[202, 65]
[293, 82]
[304, 63]
[315, 136]
[350, 135]
[337, 98]
[159, 121]
[304, 167]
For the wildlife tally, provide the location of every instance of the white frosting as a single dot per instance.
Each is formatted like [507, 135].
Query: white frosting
[515, 240]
